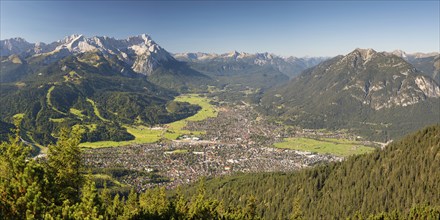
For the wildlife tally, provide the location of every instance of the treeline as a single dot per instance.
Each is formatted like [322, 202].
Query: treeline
[400, 182]
[386, 182]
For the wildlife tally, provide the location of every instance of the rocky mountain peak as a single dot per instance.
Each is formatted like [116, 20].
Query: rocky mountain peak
[376, 80]
[399, 53]
[140, 52]
[14, 46]
[364, 54]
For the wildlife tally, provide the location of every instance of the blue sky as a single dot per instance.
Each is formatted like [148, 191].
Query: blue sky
[287, 28]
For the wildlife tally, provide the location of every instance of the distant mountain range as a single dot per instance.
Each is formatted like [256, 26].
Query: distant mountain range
[139, 52]
[290, 66]
[132, 80]
[377, 94]
[100, 83]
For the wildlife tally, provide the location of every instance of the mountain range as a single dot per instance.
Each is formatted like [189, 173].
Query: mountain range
[109, 82]
[290, 66]
[139, 52]
[100, 83]
[377, 94]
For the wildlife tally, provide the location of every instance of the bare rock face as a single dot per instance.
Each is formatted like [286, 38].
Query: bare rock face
[377, 80]
[140, 52]
[375, 94]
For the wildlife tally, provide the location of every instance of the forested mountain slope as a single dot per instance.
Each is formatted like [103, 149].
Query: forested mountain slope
[100, 83]
[377, 95]
[88, 89]
[398, 177]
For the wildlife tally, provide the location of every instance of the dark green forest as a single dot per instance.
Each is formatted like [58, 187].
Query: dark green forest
[399, 182]
[391, 180]
[74, 90]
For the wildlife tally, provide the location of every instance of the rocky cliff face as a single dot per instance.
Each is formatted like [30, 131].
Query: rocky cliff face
[140, 52]
[377, 80]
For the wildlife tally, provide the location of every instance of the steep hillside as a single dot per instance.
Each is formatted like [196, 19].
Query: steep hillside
[98, 82]
[392, 180]
[95, 90]
[138, 54]
[377, 95]
[427, 63]
[141, 53]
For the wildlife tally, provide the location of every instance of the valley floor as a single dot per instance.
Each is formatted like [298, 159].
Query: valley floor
[234, 139]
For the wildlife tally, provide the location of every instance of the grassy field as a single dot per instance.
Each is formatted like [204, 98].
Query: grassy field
[170, 131]
[104, 177]
[49, 103]
[78, 113]
[96, 110]
[340, 147]
[178, 151]
[142, 135]
[57, 120]
[18, 116]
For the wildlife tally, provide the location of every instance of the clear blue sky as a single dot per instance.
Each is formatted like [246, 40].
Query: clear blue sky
[298, 28]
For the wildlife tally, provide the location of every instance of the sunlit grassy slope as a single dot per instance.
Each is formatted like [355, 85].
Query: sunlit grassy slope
[340, 147]
[170, 131]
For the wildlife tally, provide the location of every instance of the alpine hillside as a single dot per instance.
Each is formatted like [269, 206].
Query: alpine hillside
[378, 95]
[427, 63]
[139, 54]
[98, 82]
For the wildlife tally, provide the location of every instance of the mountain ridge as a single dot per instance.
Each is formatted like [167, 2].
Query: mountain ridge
[140, 52]
[290, 66]
[356, 90]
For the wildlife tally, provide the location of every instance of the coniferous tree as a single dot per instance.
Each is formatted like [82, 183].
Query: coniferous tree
[296, 210]
[64, 163]
[88, 208]
[180, 205]
[131, 207]
[22, 180]
[154, 202]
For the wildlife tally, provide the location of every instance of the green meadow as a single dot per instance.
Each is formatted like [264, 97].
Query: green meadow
[339, 147]
[171, 131]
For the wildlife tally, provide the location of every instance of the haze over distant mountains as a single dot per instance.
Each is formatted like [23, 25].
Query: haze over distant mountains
[291, 66]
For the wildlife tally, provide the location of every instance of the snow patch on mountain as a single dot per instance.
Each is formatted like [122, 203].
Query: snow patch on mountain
[140, 52]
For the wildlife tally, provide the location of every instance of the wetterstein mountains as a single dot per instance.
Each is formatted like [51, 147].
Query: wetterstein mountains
[99, 82]
[235, 61]
[104, 83]
[138, 55]
[379, 95]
